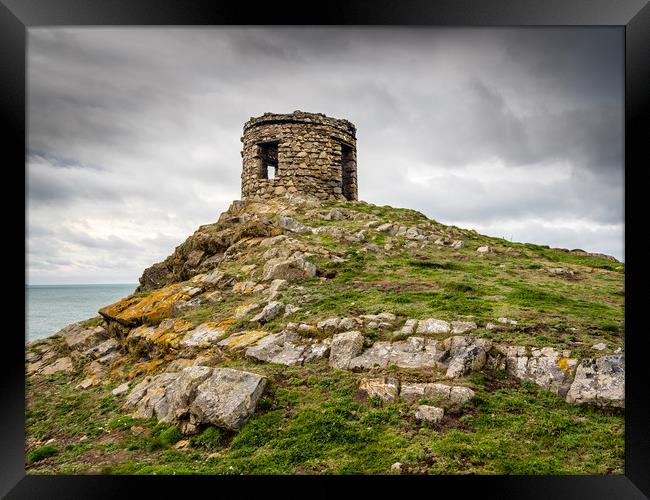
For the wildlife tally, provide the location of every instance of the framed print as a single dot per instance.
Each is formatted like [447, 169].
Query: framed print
[382, 247]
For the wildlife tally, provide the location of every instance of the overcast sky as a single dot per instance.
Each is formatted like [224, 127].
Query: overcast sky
[133, 134]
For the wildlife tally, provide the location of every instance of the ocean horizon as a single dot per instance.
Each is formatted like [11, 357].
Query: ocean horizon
[50, 307]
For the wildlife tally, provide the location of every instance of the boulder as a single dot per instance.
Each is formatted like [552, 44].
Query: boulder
[466, 354]
[329, 325]
[284, 348]
[345, 346]
[414, 391]
[386, 389]
[600, 382]
[245, 309]
[203, 334]
[157, 339]
[459, 327]
[428, 413]
[277, 285]
[271, 311]
[198, 395]
[433, 326]
[227, 398]
[217, 279]
[102, 349]
[414, 352]
[409, 327]
[293, 268]
[347, 324]
[292, 225]
[460, 394]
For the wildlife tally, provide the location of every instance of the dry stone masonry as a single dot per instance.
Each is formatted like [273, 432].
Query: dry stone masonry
[306, 153]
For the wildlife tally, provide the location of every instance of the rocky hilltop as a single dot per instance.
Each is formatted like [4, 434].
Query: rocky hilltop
[300, 336]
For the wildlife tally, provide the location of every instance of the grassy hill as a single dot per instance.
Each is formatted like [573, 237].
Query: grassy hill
[355, 261]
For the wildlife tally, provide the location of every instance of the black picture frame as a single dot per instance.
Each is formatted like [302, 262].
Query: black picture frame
[632, 15]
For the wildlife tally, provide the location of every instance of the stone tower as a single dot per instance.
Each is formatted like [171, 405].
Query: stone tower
[307, 153]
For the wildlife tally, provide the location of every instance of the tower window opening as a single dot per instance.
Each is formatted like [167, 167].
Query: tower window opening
[268, 154]
[348, 168]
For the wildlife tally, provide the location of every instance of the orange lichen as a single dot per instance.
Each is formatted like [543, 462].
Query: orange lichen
[144, 368]
[151, 309]
[167, 334]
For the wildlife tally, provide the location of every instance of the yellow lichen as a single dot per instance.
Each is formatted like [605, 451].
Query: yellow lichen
[167, 334]
[563, 364]
[144, 368]
[244, 339]
[145, 310]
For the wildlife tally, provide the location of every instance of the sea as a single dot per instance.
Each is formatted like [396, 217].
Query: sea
[51, 307]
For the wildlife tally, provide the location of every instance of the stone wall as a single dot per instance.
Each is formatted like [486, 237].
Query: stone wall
[312, 154]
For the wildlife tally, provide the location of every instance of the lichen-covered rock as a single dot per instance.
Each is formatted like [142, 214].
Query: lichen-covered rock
[293, 268]
[345, 346]
[150, 309]
[546, 367]
[245, 309]
[384, 388]
[157, 339]
[242, 340]
[599, 381]
[347, 324]
[271, 311]
[120, 389]
[428, 413]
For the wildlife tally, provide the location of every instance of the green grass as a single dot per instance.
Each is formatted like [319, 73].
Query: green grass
[312, 420]
[41, 453]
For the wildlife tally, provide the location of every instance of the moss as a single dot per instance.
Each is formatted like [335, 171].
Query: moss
[41, 453]
[210, 439]
[92, 322]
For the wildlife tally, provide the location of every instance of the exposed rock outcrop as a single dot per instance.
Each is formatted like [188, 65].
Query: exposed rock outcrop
[198, 395]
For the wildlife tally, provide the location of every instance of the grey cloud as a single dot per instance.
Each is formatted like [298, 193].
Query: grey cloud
[135, 131]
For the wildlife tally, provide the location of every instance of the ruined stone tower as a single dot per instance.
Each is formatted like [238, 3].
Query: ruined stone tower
[307, 153]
